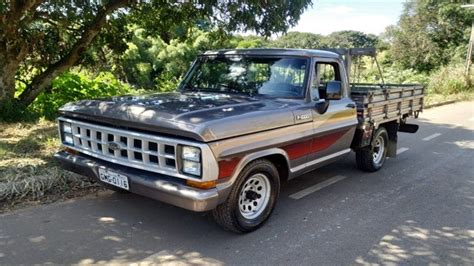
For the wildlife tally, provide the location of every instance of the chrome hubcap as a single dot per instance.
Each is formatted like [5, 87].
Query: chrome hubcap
[254, 196]
[379, 149]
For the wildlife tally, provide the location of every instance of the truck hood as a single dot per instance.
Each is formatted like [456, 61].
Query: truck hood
[200, 116]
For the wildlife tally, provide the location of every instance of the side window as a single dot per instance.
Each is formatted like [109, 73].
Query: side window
[324, 72]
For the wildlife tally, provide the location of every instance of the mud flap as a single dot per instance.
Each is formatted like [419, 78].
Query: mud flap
[392, 129]
[392, 148]
[408, 128]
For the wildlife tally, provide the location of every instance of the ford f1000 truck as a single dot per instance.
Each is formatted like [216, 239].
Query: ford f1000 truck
[240, 123]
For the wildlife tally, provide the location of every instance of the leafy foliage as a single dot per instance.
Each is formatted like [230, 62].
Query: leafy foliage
[349, 38]
[151, 63]
[430, 34]
[74, 86]
[304, 40]
[248, 42]
[450, 79]
[338, 39]
[41, 39]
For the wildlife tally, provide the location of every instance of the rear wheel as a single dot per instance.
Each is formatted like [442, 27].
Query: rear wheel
[372, 158]
[251, 200]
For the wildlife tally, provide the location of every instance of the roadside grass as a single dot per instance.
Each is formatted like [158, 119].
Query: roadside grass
[27, 169]
[433, 99]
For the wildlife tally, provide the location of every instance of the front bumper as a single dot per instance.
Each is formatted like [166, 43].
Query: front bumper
[152, 185]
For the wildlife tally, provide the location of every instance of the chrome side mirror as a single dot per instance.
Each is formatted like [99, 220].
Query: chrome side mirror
[321, 106]
[334, 90]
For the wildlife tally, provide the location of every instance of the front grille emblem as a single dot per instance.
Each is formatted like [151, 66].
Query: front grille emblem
[115, 146]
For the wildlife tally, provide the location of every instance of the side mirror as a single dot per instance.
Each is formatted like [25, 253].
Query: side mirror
[321, 106]
[334, 90]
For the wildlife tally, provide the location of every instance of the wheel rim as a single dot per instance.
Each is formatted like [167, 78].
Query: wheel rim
[379, 149]
[254, 196]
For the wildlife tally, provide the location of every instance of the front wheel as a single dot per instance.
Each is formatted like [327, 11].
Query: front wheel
[252, 198]
[372, 158]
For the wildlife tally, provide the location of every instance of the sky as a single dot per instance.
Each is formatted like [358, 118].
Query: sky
[369, 16]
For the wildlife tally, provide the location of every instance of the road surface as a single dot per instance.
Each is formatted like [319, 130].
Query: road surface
[419, 208]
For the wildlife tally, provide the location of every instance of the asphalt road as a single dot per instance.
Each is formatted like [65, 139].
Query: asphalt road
[419, 208]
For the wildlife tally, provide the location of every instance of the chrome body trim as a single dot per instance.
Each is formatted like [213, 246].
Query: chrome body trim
[319, 160]
[155, 186]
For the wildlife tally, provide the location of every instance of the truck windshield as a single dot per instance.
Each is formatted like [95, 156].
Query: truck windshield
[270, 76]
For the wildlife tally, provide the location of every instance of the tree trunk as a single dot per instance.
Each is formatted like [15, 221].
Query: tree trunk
[7, 83]
[43, 80]
[9, 64]
[13, 49]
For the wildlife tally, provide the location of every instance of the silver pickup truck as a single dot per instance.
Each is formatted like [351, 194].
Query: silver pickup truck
[240, 123]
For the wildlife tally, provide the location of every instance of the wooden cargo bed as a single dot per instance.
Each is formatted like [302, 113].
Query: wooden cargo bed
[379, 104]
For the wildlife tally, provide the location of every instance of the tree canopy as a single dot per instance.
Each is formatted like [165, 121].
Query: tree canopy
[40, 39]
[430, 33]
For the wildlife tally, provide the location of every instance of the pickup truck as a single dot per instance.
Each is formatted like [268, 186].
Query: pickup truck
[241, 122]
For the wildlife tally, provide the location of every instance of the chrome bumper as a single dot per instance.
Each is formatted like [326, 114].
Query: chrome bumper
[156, 186]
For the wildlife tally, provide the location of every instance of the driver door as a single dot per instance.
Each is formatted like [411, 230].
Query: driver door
[333, 129]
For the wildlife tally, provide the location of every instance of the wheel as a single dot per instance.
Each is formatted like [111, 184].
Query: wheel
[251, 200]
[372, 158]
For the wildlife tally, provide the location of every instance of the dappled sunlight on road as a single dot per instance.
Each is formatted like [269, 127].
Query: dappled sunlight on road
[410, 240]
[164, 257]
[464, 144]
[107, 219]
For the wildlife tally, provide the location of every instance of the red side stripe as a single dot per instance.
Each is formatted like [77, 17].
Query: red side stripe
[299, 149]
[303, 148]
[294, 151]
[323, 142]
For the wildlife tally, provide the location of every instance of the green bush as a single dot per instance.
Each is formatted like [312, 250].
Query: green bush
[167, 82]
[10, 112]
[74, 86]
[450, 79]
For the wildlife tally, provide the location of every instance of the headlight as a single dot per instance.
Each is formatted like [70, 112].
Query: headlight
[191, 167]
[67, 128]
[68, 139]
[191, 160]
[191, 153]
[66, 133]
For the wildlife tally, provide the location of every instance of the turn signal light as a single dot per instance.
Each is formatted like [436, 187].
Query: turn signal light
[201, 185]
[70, 151]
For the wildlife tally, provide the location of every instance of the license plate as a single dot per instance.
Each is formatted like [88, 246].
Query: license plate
[113, 178]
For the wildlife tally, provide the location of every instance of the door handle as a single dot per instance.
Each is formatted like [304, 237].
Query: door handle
[351, 105]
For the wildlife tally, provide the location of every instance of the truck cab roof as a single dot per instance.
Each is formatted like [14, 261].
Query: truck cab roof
[273, 52]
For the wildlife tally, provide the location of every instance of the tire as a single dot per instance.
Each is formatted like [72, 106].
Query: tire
[372, 158]
[251, 200]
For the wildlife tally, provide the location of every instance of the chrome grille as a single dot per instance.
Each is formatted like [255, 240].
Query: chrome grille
[138, 150]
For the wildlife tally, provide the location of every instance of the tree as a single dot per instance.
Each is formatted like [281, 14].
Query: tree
[303, 40]
[149, 62]
[338, 39]
[40, 39]
[350, 39]
[430, 33]
[248, 42]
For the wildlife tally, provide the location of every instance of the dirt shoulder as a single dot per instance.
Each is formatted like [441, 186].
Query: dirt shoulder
[28, 172]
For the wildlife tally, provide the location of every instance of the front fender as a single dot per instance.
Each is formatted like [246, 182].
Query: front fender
[225, 188]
